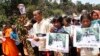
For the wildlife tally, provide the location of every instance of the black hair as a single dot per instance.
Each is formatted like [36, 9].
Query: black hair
[68, 19]
[14, 30]
[39, 11]
[33, 21]
[93, 13]
[58, 19]
[85, 16]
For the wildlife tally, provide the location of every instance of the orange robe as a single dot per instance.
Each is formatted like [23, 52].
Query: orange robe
[8, 46]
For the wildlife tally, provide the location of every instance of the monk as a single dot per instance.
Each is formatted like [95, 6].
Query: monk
[8, 45]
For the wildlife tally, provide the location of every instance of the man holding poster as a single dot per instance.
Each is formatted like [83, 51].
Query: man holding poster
[40, 27]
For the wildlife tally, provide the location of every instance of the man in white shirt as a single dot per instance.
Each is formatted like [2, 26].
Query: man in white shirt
[41, 26]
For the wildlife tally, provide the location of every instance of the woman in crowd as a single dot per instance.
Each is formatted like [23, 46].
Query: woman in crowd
[95, 15]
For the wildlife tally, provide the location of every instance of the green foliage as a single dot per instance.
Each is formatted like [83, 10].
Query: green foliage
[13, 19]
[2, 11]
[96, 7]
[9, 8]
[79, 6]
[57, 12]
[30, 10]
[3, 20]
[88, 6]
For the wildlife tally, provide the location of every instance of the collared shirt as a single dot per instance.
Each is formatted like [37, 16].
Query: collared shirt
[42, 27]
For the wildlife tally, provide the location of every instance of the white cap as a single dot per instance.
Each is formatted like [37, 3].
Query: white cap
[77, 18]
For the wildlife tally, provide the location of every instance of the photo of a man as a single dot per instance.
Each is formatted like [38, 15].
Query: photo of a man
[57, 41]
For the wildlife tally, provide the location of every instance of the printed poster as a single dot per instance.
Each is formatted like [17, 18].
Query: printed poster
[87, 37]
[57, 42]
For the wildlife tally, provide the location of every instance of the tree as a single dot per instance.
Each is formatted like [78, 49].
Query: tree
[88, 7]
[30, 10]
[79, 6]
[96, 7]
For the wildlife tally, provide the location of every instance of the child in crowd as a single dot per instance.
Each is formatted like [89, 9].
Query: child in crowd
[67, 24]
[58, 25]
[86, 23]
[58, 28]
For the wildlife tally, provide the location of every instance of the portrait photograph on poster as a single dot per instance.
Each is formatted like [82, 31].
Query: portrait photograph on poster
[57, 41]
[87, 37]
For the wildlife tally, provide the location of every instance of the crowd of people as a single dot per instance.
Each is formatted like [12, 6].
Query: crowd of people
[11, 44]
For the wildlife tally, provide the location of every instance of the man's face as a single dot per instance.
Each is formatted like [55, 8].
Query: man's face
[37, 16]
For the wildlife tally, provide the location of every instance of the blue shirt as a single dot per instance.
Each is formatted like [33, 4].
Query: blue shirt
[59, 30]
[14, 36]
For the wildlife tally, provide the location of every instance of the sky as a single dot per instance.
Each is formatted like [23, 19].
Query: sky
[90, 1]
